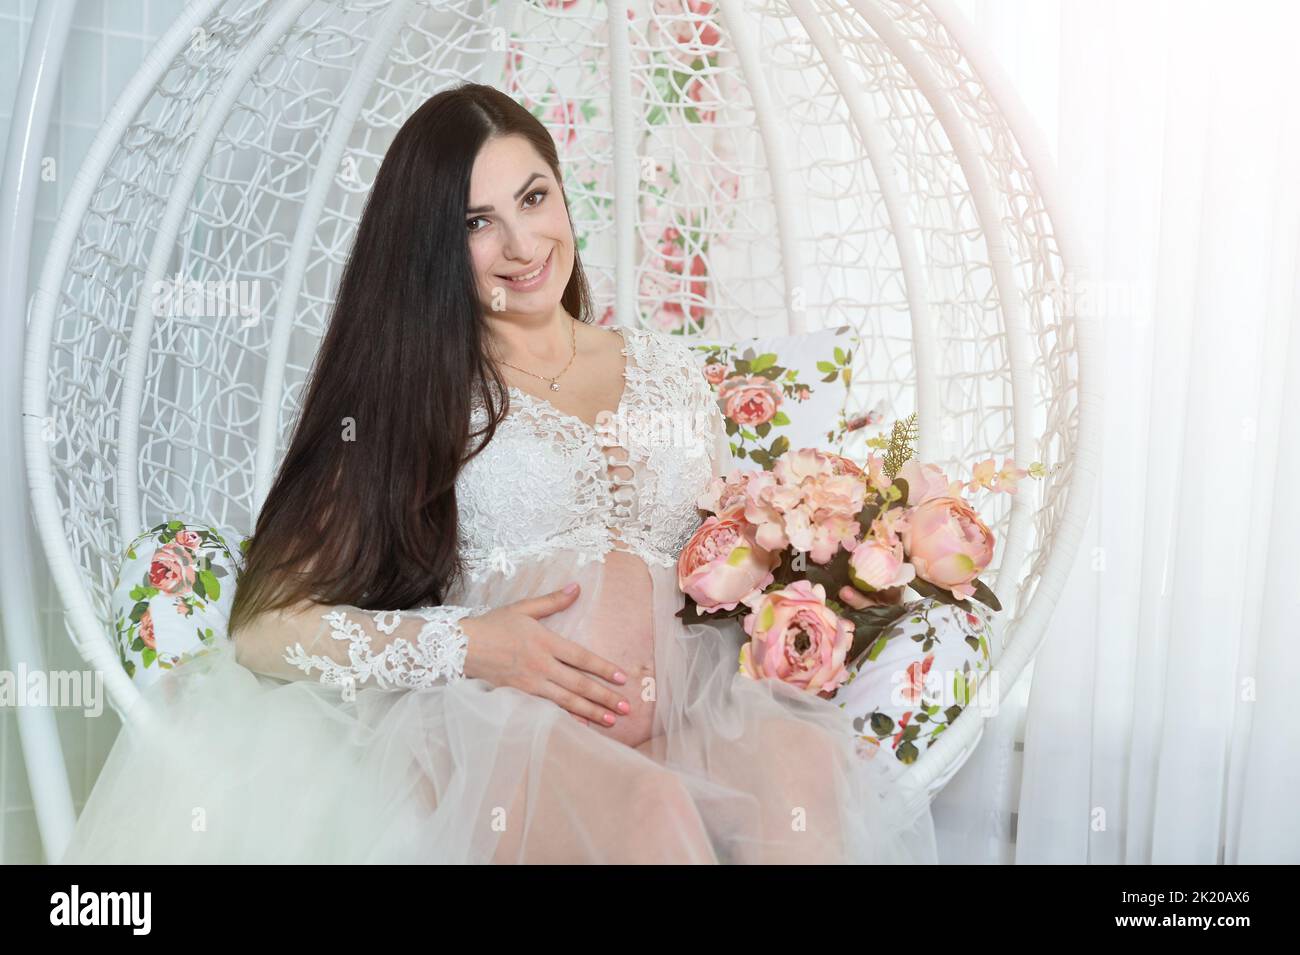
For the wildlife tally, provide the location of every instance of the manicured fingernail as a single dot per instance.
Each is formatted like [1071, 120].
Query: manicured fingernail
[620, 676]
[609, 718]
[571, 589]
[623, 707]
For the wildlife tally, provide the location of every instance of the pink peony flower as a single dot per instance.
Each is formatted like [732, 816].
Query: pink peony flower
[723, 493]
[925, 481]
[715, 372]
[948, 544]
[172, 569]
[189, 539]
[875, 566]
[721, 564]
[888, 525]
[810, 503]
[796, 639]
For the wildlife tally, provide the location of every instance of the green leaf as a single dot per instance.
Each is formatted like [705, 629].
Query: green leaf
[211, 586]
[780, 418]
[825, 366]
[765, 360]
[149, 656]
[985, 595]
[903, 489]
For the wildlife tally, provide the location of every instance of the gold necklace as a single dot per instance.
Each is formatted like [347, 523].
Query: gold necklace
[555, 382]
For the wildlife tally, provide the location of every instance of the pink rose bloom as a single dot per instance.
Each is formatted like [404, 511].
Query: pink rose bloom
[876, 566]
[750, 399]
[189, 539]
[715, 372]
[913, 686]
[146, 629]
[925, 481]
[172, 569]
[797, 639]
[721, 564]
[948, 544]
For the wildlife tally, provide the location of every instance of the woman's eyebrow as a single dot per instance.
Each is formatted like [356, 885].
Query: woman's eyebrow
[529, 182]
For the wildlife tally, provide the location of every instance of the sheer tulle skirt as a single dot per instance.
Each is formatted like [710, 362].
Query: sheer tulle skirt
[710, 766]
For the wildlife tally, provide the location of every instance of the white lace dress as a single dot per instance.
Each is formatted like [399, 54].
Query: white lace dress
[357, 738]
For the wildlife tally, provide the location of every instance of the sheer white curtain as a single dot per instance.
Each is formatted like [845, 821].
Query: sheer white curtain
[1158, 728]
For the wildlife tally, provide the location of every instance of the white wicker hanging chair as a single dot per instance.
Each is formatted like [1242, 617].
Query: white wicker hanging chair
[849, 162]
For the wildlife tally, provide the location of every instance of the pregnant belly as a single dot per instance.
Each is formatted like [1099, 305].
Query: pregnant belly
[622, 632]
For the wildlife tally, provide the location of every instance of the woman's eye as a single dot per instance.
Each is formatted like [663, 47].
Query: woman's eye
[536, 192]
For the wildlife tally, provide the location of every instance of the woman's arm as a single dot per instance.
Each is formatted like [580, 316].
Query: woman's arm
[347, 646]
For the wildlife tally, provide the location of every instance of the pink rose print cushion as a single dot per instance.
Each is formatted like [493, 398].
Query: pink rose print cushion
[781, 392]
[172, 597]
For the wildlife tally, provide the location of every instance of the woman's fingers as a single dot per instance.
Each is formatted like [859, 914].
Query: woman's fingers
[577, 705]
[579, 657]
[581, 684]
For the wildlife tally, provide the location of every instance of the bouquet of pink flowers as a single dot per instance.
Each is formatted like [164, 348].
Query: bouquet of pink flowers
[815, 554]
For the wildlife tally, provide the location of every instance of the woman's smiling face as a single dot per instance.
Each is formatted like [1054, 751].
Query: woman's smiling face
[520, 240]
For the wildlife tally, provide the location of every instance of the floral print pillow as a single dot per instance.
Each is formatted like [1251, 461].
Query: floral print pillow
[781, 392]
[172, 597]
[918, 677]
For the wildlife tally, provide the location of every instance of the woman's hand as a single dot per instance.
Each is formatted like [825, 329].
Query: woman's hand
[509, 647]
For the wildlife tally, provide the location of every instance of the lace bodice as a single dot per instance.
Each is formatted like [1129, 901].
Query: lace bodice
[549, 481]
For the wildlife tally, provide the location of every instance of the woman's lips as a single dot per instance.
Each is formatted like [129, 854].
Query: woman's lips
[536, 281]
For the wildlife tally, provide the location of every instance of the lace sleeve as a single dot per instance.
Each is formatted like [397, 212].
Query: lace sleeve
[348, 646]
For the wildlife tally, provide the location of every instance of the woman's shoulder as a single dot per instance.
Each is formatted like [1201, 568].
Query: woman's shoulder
[670, 352]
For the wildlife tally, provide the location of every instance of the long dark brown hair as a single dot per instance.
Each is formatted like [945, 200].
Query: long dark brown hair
[363, 508]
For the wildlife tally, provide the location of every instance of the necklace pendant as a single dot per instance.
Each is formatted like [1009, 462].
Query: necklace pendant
[555, 386]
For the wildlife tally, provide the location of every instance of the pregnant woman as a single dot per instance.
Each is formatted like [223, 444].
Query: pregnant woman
[455, 636]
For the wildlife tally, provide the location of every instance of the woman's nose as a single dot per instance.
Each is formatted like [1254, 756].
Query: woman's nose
[520, 243]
